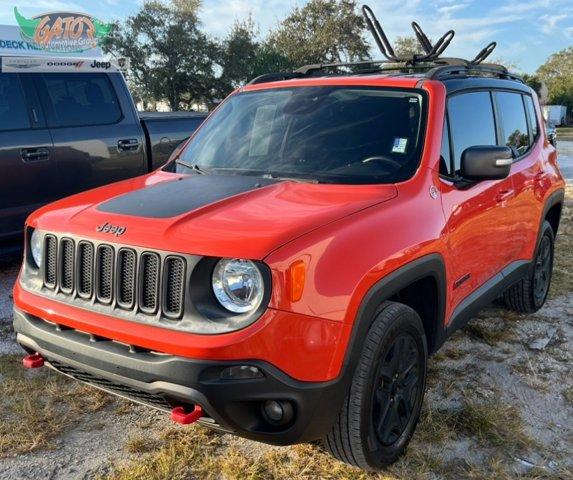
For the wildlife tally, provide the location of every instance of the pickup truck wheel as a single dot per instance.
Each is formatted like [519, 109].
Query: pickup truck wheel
[383, 405]
[529, 294]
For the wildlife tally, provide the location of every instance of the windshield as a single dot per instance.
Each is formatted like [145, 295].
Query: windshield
[323, 134]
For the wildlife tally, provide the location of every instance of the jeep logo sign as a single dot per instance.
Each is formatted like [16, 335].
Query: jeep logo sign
[113, 229]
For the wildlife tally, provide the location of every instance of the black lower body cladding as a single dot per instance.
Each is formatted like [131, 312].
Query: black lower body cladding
[165, 382]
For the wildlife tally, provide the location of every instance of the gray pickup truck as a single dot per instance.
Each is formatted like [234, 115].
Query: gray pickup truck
[63, 133]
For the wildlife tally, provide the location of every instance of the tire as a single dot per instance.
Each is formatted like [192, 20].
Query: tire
[529, 294]
[363, 435]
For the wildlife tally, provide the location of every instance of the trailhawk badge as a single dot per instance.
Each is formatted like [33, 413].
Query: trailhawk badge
[113, 229]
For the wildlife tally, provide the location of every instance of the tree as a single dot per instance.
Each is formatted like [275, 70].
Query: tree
[239, 52]
[321, 31]
[170, 57]
[557, 73]
[407, 46]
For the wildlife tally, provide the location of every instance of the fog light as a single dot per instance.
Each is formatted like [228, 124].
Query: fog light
[277, 412]
[241, 372]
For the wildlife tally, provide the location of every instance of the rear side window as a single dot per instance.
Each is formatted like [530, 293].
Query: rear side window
[13, 111]
[81, 99]
[513, 121]
[471, 122]
[529, 106]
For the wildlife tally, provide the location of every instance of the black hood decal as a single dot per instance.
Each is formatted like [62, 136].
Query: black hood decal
[170, 199]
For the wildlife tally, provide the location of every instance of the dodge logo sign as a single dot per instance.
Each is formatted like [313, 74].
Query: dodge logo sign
[113, 229]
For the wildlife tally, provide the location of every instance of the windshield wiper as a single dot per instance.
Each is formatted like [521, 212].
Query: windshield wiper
[196, 168]
[274, 176]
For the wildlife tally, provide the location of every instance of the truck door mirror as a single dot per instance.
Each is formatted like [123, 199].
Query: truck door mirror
[486, 163]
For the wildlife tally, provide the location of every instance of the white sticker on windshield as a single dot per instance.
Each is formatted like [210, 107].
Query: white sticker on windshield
[399, 145]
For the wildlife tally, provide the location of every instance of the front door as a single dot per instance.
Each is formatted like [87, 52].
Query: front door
[478, 218]
[27, 166]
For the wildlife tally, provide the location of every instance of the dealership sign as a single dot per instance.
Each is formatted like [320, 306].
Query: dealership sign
[62, 33]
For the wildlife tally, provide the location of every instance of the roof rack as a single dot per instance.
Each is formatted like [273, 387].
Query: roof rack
[430, 62]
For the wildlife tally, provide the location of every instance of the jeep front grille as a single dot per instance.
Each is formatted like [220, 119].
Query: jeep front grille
[115, 276]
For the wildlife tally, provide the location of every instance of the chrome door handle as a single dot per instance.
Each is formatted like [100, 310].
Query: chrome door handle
[30, 155]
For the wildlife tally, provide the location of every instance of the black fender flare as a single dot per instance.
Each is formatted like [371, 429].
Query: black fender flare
[557, 197]
[431, 265]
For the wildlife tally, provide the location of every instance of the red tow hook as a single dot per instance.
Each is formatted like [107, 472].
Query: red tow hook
[33, 361]
[179, 415]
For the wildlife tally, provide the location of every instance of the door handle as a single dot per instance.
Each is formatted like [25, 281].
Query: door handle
[504, 195]
[40, 154]
[128, 145]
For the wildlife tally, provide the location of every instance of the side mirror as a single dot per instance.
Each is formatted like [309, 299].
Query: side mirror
[486, 163]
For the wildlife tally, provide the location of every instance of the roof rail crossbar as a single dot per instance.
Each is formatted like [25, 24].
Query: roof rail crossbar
[462, 70]
[274, 77]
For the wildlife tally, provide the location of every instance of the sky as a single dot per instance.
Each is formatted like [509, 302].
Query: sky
[527, 31]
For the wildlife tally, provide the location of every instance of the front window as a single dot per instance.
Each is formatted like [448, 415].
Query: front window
[352, 135]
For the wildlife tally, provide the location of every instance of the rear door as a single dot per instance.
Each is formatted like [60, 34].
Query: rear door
[519, 129]
[28, 170]
[96, 133]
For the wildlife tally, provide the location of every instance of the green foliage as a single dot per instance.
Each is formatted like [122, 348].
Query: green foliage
[557, 73]
[238, 55]
[321, 31]
[170, 56]
[407, 46]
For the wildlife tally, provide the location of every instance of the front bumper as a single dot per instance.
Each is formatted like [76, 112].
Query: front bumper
[167, 381]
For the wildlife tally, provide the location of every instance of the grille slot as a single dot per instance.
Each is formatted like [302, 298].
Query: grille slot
[50, 261]
[150, 399]
[173, 283]
[66, 263]
[149, 286]
[104, 271]
[126, 268]
[85, 269]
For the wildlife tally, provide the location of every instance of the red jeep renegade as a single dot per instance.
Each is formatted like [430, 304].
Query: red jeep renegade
[287, 274]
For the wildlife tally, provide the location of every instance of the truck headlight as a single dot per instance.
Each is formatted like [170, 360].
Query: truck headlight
[238, 285]
[37, 247]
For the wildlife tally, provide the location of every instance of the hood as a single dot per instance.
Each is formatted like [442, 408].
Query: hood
[212, 215]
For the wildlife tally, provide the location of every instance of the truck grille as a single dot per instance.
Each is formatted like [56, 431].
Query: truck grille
[117, 277]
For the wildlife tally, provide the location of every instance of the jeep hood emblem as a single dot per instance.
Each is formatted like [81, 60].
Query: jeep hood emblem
[113, 229]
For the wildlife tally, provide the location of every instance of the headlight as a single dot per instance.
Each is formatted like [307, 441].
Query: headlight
[37, 247]
[238, 285]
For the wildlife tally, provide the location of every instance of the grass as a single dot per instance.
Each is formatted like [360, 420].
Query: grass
[490, 333]
[196, 452]
[38, 406]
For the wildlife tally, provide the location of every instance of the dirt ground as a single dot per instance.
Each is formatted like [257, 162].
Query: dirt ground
[499, 405]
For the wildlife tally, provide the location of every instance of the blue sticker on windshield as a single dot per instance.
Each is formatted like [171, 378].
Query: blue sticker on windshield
[399, 145]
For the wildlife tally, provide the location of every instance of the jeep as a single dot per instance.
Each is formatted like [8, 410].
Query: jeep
[286, 275]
